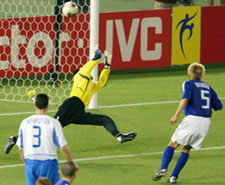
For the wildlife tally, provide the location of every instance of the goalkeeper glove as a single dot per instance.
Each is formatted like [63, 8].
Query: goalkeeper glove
[107, 59]
[97, 54]
[32, 94]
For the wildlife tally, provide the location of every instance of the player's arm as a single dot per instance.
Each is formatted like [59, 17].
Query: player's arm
[103, 77]
[88, 67]
[181, 106]
[19, 142]
[186, 86]
[65, 150]
[61, 141]
[21, 154]
[216, 103]
[105, 72]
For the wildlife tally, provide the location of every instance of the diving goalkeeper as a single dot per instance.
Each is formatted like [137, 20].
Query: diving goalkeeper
[72, 109]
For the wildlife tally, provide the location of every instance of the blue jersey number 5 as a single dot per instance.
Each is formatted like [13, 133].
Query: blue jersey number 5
[204, 96]
[37, 136]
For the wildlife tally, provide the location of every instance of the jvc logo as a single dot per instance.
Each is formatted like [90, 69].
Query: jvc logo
[127, 45]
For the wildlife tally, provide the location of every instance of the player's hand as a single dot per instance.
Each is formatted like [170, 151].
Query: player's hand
[173, 119]
[108, 58]
[97, 55]
[32, 94]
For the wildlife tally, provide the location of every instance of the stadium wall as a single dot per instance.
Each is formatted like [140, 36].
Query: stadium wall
[213, 35]
[137, 39]
[154, 38]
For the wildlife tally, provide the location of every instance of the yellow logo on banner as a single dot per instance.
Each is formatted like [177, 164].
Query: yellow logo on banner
[186, 34]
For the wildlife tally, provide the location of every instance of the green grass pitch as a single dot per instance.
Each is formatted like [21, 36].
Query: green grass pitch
[146, 109]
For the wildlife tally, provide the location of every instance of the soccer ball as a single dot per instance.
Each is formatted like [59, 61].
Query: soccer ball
[70, 9]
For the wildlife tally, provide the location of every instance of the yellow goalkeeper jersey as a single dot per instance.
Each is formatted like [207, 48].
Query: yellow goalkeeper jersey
[83, 87]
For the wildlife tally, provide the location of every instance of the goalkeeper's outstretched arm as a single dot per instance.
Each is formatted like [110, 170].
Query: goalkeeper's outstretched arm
[105, 72]
[88, 67]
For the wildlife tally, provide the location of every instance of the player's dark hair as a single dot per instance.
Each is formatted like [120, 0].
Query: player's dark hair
[68, 169]
[43, 181]
[41, 101]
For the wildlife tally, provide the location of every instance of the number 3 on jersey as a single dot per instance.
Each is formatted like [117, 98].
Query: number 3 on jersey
[37, 136]
[204, 96]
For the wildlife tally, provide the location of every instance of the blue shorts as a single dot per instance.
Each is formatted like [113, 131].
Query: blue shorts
[36, 168]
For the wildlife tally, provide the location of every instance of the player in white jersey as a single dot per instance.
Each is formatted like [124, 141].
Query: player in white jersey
[39, 137]
[198, 100]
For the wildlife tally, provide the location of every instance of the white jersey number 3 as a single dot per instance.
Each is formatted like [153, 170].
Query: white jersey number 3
[37, 136]
[206, 98]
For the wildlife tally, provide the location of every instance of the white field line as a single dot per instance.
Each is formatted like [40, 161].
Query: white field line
[105, 107]
[118, 156]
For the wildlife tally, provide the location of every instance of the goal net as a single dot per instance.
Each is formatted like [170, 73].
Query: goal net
[40, 49]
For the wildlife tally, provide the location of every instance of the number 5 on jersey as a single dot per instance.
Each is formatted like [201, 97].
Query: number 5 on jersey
[204, 96]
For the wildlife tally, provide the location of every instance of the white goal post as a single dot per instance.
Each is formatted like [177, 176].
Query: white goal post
[40, 49]
[94, 40]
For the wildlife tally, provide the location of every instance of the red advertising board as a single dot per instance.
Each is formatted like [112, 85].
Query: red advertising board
[27, 45]
[213, 35]
[137, 39]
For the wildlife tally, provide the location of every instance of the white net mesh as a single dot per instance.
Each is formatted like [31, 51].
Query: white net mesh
[39, 48]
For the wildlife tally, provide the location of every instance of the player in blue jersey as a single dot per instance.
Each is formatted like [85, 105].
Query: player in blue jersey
[69, 172]
[198, 100]
[39, 137]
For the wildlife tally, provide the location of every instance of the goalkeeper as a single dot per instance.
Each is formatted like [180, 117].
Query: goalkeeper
[72, 109]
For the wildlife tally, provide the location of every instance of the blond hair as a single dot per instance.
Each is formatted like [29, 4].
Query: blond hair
[196, 70]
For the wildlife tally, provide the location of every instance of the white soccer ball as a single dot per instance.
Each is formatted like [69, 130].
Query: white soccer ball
[70, 9]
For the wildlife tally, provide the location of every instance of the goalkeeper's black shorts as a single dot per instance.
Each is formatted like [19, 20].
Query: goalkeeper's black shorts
[71, 111]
